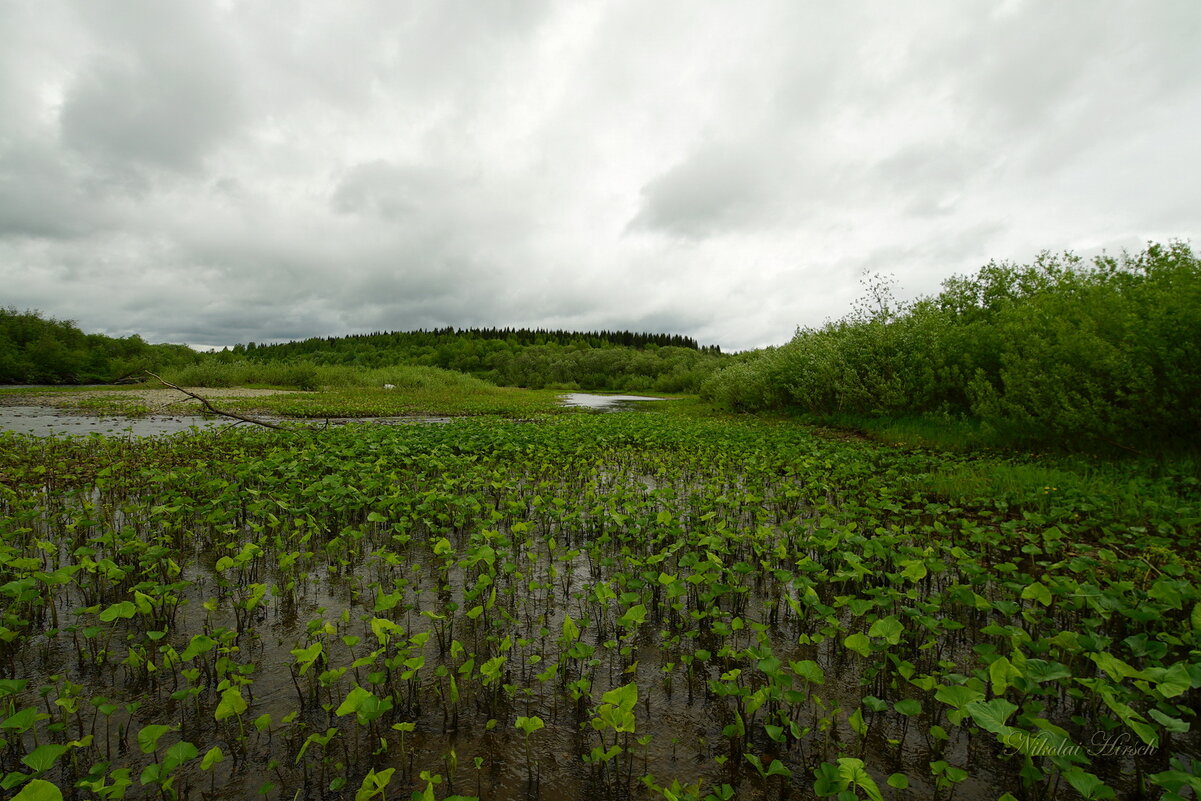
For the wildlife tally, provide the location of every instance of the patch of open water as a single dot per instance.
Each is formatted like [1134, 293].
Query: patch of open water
[608, 403]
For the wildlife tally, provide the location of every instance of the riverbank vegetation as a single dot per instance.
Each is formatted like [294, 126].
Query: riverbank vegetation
[1061, 352]
[38, 350]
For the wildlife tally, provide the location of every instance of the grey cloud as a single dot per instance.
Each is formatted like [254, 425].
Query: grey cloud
[40, 196]
[124, 112]
[160, 90]
[222, 172]
[929, 177]
[715, 189]
[386, 190]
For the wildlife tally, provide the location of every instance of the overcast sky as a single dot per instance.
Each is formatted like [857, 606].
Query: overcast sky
[257, 170]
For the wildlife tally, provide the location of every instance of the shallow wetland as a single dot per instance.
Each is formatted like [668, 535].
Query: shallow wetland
[626, 605]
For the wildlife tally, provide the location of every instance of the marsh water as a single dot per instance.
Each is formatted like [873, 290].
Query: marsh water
[50, 420]
[606, 403]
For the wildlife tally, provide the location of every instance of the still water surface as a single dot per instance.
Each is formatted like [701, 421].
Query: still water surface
[48, 420]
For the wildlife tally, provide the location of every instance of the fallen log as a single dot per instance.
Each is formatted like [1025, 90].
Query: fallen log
[221, 412]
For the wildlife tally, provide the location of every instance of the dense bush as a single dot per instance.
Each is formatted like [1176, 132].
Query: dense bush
[1108, 350]
[36, 350]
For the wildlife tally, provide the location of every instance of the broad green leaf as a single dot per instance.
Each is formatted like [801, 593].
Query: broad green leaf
[212, 757]
[1001, 673]
[305, 657]
[808, 670]
[529, 725]
[1175, 681]
[21, 721]
[354, 699]
[1174, 725]
[231, 703]
[1040, 670]
[39, 790]
[957, 696]
[853, 774]
[123, 609]
[1037, 592]
[178, 754]
[623, 697]
[44, 757]
[634, 616]
[859, 643]
[200, 644]
[374, 783]
[890, 628]
[149, 736]
[858, 725]
[1088, 785]
[915, 570]
[991, 715]
[1116, 668]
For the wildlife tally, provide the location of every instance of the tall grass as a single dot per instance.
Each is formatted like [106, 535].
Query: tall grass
[304, 376]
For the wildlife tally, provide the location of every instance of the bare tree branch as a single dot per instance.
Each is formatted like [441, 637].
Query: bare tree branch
[204, 401]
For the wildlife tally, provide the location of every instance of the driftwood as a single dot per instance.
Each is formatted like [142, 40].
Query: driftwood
[204, 402]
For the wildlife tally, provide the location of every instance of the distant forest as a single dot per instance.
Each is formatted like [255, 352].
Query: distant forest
[392, 340]
[534, 358]
[38, 350]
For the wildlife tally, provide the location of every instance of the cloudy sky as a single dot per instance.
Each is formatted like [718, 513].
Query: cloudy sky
[258, 170]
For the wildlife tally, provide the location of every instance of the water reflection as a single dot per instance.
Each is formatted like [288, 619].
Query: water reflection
[603, 402]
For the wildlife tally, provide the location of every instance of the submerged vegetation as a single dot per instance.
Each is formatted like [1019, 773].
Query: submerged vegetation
[631, 605]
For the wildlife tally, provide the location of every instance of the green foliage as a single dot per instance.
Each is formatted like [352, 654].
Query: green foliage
[613, 360]
[37, 350]
[1084, 355]
[39, 790]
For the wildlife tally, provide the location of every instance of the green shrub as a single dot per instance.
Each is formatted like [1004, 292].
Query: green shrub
[1059, 350]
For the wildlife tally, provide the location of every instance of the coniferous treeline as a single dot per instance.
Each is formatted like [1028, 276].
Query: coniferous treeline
[1060, 350]
[521, 357]
[422, 338]
[39, 350]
